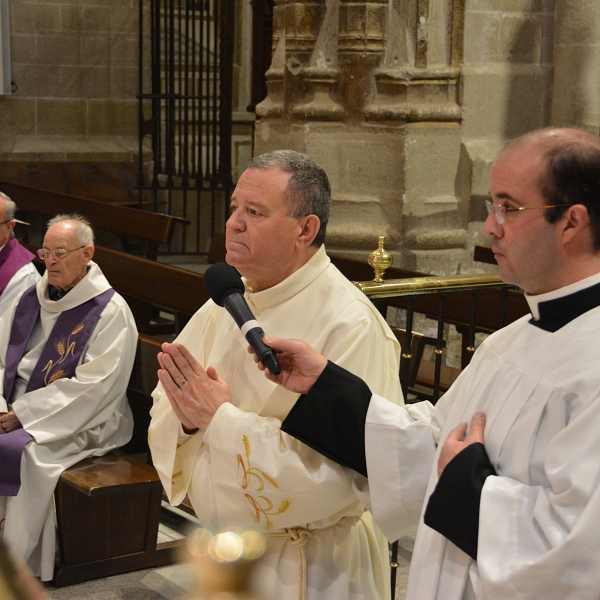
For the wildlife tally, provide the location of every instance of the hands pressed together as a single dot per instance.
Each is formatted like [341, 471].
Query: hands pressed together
[195, 393]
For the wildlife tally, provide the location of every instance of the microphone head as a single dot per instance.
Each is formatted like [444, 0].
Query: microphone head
[222, 280]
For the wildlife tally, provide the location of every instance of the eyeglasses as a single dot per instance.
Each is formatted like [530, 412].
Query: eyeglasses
[7, 221]
[58, 254]
[500, 210]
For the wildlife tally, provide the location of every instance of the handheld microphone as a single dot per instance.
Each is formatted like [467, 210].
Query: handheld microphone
[224, 285]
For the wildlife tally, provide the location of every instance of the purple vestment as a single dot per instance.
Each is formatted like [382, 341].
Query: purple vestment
[58, 360]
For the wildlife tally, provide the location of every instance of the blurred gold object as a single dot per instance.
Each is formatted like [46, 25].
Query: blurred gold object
[16, 583]
[223, 562]
[380, 259]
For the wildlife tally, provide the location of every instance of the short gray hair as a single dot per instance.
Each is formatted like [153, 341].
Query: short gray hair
[308, 191]
[82, 226]
[10, 208]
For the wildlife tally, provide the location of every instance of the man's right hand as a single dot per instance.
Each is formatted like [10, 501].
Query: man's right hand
[301, 364]
[9, 422]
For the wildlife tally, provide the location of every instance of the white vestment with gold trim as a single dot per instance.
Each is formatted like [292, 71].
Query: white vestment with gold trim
[244, 471]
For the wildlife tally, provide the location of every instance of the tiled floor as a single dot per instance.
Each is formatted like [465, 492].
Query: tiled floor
[176, 582]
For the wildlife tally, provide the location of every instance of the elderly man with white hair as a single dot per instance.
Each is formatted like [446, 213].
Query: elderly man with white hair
[67, 347]
[17, 272]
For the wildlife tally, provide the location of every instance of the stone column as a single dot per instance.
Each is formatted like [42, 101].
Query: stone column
[370, 89]
[272, 105]
[303, 69]
[320, 76]
[506, 90]
[576, 97]
[409, 103]
[416, 88]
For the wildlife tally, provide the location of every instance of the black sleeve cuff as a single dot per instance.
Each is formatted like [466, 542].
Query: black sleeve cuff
[331, 417]
[453, 507]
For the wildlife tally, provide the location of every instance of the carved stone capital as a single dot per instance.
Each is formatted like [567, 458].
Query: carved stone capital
[320, 83]
[272, 106]
[416, 94]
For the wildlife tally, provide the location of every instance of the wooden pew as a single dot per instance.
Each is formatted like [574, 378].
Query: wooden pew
[146, 284]
[421, 372]
[108, 507]
[154, 228]
[112, 182]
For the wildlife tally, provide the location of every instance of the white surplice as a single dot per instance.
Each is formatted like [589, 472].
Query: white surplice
[245, 471]
[23, 279]
[539, 524]
[70, 419]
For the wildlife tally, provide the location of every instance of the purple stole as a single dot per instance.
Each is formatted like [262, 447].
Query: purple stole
[12, 258]
[58, 360]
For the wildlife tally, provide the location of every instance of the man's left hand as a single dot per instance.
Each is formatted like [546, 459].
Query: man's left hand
[195, 394]
[9, 422]
[456, 441]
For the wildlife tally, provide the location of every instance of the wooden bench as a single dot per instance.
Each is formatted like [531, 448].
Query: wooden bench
[146, 284]
[112, 182]
[108, 507]
[163, 285]
[154, 228]
[108, 512]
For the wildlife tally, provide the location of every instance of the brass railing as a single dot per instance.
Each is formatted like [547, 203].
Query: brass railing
[461, 310]
[428, 285]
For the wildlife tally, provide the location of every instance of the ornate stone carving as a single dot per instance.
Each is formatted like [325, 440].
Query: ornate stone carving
[418, 80]
[321, 75]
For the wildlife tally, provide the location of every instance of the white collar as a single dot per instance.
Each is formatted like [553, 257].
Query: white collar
[90, 286]
[535, 300]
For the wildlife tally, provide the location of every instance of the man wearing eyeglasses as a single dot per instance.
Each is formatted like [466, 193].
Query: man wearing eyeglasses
[17, 272]
[512, 510]
[67, 346]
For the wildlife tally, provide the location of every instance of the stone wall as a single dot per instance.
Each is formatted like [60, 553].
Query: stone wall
[406, 104]
[74, 65]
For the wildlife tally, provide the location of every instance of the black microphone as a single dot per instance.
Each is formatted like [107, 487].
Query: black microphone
[226, 288]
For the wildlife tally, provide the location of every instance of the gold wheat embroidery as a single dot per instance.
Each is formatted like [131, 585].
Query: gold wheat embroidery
[63, 349]
[261, 506]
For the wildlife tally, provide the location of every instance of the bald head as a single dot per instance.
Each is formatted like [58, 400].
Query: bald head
[571, 174]
[554, 137]
[7, 215]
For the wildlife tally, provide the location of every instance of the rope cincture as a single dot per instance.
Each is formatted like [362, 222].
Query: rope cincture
[299, 536]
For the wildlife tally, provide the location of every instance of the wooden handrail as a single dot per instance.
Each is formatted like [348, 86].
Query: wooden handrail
[153, 227]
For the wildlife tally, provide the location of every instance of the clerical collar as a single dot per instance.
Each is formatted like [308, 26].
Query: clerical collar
[557, 308]
[55, 294]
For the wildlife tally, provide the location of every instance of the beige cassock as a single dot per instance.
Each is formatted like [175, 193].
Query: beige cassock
[539, 522]
[245, 471]
[70, 419]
